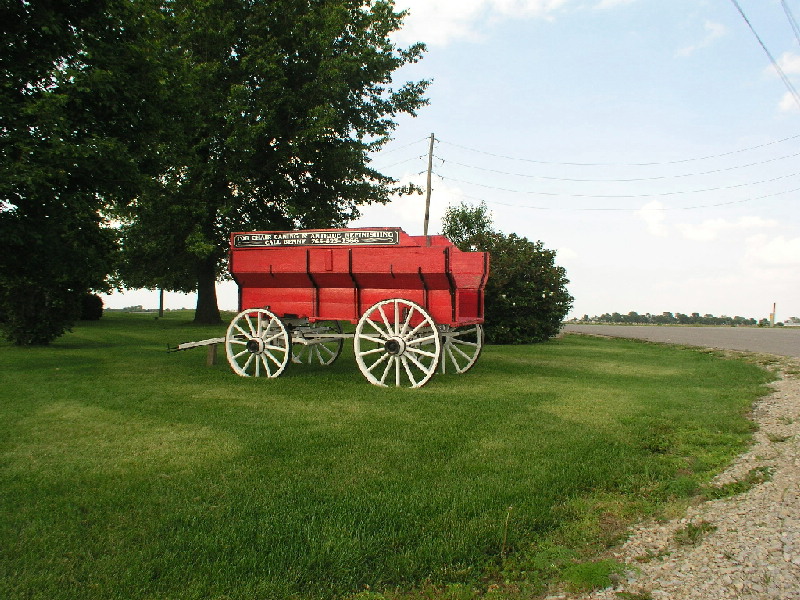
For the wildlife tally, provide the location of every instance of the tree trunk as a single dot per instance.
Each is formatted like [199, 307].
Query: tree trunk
[207, 311]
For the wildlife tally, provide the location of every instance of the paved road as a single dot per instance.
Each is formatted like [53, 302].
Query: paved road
[784, 341]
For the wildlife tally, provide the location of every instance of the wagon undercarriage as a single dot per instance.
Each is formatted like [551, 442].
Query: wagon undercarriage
[396, 343]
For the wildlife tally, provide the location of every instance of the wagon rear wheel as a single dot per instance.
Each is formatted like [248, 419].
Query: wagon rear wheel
[397, 343]
[461, 347]
[257, 344]
[311, 346]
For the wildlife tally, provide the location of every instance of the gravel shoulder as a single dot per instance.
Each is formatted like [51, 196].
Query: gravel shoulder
[747, 546]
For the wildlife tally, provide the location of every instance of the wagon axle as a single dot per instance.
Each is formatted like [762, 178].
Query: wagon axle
[394, 346]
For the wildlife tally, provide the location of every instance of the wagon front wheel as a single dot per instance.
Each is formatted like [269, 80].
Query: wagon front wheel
[397, 343]
[257, 344]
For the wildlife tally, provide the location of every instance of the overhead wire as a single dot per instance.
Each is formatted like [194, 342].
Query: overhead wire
[629, 209]
[621, 164]
[775, 64]
[610, 196]
[792, 20]
[625, 180]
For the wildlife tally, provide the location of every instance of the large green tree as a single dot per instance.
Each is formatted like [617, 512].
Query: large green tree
[270, 110]
[526, 294]
[56, 167]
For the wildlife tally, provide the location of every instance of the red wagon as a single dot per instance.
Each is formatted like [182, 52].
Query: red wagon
[416, 302]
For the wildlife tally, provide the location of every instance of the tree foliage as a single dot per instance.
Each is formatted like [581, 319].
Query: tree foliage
[185, 121]
[56, 170]
[526, 294]
[270, 111]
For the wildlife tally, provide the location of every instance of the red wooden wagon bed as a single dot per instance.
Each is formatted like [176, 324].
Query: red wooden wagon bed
[416, 302]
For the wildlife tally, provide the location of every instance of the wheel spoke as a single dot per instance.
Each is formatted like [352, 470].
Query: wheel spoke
[385, 320]
[381, 332]
[374, 351]
[417, 341]
[423, 352]
[408, 372]
[416, 361]
[250, 325]
[416, 329]
[465, 343]
[460, 351]
[406, 323]
[386, 370]
[397, 371]
[272, 358]
[377, 362]
[263, 360]
[453, 359]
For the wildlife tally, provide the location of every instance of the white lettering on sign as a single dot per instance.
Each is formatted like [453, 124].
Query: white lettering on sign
[352, 237]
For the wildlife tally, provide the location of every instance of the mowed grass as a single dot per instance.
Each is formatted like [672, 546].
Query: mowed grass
[131, 473]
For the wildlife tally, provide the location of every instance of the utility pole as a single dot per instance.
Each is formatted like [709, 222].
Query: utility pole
[428, 192]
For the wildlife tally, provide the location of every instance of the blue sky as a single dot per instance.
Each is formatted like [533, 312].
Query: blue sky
[649, 142]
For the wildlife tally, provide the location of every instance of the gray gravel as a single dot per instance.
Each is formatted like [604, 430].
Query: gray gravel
[783, 341]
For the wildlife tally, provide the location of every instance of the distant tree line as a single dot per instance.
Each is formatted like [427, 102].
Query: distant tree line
[668, 318]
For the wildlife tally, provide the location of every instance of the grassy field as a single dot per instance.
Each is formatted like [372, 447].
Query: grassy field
[131, 473]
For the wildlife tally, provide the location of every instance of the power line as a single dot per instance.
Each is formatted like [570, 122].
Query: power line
[619, 196]
[628, 180]
[403, 147]
[775, 64]
[628, 209]
[792, 20]
[401, 162]
[620, 164]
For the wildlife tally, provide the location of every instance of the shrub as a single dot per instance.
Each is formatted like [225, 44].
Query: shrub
[91, 307]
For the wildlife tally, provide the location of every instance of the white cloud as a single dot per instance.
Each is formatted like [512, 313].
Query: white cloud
[604, 4]
[714, 31]
[408, 212]
[711, 229]
[438, 22]
[789, 63]
[654, 218]
[788, 103]
[774, 252]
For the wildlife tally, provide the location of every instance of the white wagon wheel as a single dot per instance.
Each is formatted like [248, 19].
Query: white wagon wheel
[461, 347]
[397, 342]
[316, 348]
[257, 344]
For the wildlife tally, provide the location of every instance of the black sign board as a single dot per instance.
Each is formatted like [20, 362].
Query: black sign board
[351, 237]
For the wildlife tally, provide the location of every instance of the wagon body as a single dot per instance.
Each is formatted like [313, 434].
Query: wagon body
[337, 274]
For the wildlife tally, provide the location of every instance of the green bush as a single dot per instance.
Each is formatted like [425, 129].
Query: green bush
[35, 316]
[91, 307]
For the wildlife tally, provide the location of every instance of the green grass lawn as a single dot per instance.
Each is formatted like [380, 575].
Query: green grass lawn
[131, 473]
